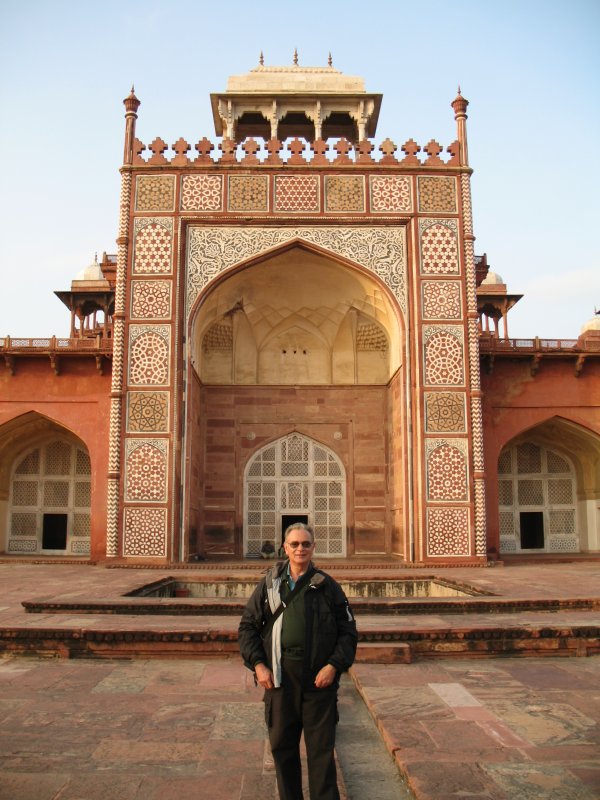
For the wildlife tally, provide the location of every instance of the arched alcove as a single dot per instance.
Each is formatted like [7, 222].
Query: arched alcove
[548, 490]
[298, 340]
[295, 478]
[45, 488]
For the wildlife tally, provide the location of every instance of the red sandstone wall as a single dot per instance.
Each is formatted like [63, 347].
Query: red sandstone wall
[77, 399]
[514, 401]
[234, 422]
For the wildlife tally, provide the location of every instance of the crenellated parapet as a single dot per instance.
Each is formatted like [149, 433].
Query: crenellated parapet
[295, 152]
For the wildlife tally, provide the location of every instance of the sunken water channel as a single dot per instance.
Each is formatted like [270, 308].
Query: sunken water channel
[410, 588]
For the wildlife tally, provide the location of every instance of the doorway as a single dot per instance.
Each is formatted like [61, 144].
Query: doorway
[289, 519]
[54, 532]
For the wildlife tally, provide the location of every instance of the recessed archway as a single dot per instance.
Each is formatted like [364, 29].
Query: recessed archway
[548, 490]
[45, 488]
[296, 341]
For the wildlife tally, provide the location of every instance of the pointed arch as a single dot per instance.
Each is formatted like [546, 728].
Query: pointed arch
[295, 475]
[45, 488]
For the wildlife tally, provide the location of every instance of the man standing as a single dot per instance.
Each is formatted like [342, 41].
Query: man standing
[298, 635]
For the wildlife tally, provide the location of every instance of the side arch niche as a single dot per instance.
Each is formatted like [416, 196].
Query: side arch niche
[548, 490]
[295, 477]
[45, 489]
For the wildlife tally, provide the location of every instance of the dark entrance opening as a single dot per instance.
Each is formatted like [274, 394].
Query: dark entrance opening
[532, 530]
[289, 519]
[54, 532]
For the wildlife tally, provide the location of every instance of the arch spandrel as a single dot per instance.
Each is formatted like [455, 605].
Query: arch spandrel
[211, 251]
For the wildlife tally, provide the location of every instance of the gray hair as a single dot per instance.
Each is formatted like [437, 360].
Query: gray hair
[299, 526]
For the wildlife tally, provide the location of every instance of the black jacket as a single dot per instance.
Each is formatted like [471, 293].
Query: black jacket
[331, 636]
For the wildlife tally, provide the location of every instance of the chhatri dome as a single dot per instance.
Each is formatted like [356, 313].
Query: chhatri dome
[492, 279]
[592, 324]
[295, 101]
[93, 272]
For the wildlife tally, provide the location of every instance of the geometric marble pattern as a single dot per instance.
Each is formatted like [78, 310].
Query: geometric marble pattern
[149, 355]
[444, 412]
[441, 300]
[146, 470]
[446, 474]
[344, 193]
[248, 193]
[155, 193]
[145, 532]
[390, 193]
[443, 357]
[148, 412]
[447, 531]
[439, 247]
[201, 193]
[152, 245]
[150, 299]
[296, 193]
[437, 195]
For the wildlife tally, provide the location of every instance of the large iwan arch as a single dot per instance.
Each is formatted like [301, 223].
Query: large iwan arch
[301, 343]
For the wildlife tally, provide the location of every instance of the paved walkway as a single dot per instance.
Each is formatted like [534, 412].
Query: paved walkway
[499, 729]
[495, 729]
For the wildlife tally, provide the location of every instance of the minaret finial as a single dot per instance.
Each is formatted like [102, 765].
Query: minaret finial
[261, 59]
[459, 88]
[295, 56]
[330, 60]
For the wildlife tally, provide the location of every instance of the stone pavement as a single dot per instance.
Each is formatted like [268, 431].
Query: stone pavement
[499, 729]
[496, 729]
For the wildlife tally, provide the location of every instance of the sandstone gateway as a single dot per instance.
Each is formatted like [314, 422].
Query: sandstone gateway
[295, 327]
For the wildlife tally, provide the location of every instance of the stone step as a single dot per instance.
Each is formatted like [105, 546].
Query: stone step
[377, 645]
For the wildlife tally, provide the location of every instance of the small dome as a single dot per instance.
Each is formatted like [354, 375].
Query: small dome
[591, 325]
[91, 273]
[492, 278]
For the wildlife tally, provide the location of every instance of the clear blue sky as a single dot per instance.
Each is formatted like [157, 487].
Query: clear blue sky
[530, 69]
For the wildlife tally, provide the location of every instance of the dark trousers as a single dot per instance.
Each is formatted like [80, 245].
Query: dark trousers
[289, 710]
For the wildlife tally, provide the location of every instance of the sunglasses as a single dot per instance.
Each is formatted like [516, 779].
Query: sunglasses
[296, 545]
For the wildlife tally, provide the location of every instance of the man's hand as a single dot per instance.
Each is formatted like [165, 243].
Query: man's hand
[325, 677]
[264, 676]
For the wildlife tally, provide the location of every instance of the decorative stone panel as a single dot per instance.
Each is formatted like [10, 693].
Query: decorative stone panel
[149, 353]
[448, 532]
[150, 299]
[153, 244]
[155, 193]
[390, 193]
[441, 300]
[446, 470]
[146, 470]
[344, 193]
[437, 195]
[444, 355]
[148, 412]
[210, 251]
[297, 194]
[439, 247]
[145, 532]
[202, 193]
[445, 412]
[248, 193]
[22, 545]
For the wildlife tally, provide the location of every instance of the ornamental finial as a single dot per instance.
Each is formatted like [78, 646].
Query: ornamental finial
[261, 59]
[295, 56]
[330, 61]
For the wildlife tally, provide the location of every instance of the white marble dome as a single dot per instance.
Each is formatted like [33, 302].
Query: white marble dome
[492, 278]
[592, 324]
[91, 273]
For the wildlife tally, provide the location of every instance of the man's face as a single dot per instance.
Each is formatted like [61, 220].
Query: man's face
[299, 548]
